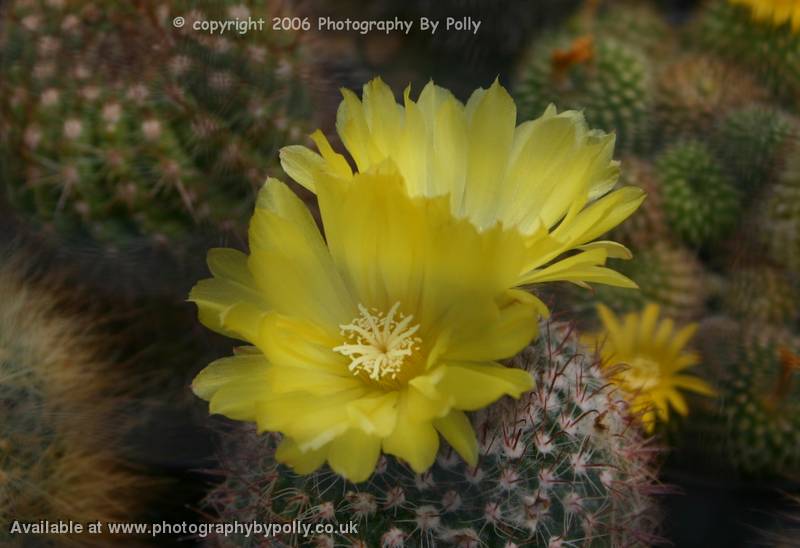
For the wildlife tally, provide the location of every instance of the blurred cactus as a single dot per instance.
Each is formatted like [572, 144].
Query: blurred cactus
[759, 406]
[562, 465]
[772, 52]
[647, 225]
[700, 201]
[609, 80]
[696, 90]
[61, 431]
[780, 212]
[637, 23]
[762, 294]
[751, 141]
[121, 126]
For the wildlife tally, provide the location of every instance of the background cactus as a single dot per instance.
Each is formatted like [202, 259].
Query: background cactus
[120, 126]
[780, 231]
[751, 143]
[63, 426]
[566, 463]
[763, 295]
[700, 201]
[695, 90]
[611, 81]
[759, 404]
[772, 52]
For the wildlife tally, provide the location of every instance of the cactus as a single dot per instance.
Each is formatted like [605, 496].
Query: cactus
[750, 141]
[760, 405]
[636, 23]
[62, 429]
[771, 52]
[648, 224]
[700, 201]
[609, 80]
[122, 127]
[780, 230]
[693, 92]
[762, 294]
[562, 465]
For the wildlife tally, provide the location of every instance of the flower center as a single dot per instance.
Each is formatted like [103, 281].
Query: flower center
[644, 373]
[378, 344]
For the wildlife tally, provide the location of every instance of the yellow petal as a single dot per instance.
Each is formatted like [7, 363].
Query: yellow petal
[249, 369]
[232, 283]
[474, 386]
[295, 343]
[311, 421]
[288, 257]
[492, 118]
[354, 454]
[694, 384]
[458, 432]
[302, 165]
[416, 442]
[375, 414]
[494, 333]
[303, 462]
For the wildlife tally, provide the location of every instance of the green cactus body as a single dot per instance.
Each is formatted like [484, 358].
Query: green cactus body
[780, 229]
[638, 24]
[613, 86]
[759, 406]
[122, 126]
[61, 455]
[762, 294]
[751, 141]
[693, 92]
[561, 465]
[772, 52]
[701, 203]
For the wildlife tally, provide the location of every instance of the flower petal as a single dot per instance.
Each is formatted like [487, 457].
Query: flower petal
[354, 454]
[458, 432]
[303, 462]
[473, 386]
[416, 442]
[288, 256]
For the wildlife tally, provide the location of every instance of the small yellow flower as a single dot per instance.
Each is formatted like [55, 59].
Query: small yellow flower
[778, 12]
[646, 358]
[549, 179]
[379, 337]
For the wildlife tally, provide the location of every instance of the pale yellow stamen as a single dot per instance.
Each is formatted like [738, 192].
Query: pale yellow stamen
[378, 344]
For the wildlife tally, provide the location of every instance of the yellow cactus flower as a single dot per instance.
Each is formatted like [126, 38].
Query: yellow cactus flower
[550, 179]
[378, 337]
[778, 12]
[646, 358]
